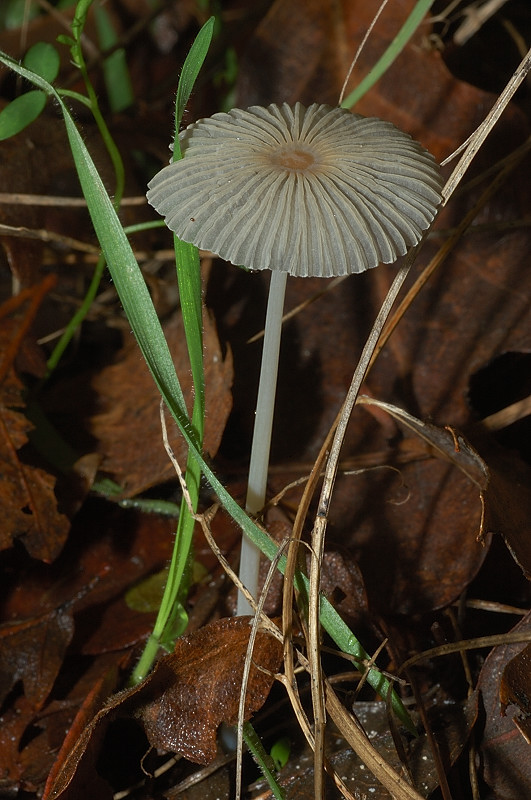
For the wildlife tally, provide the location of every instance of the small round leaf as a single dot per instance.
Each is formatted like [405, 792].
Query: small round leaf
[20, 113]
[43, 59]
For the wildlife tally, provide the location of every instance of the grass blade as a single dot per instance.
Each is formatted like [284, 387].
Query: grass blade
[395, 48]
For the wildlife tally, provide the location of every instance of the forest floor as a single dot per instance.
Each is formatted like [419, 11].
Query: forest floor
[428, 548]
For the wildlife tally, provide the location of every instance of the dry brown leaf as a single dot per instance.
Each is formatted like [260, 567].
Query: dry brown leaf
[181, 703]
[29, 506]
[506, 765]
[129, 430]
[202, 680]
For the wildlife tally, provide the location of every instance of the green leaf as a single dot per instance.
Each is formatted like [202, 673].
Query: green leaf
[193, 63]
[20, 113]
[171, 617]
[64, 38]
[146, 595]
[280, 752]
[43, 59]
[115, 71]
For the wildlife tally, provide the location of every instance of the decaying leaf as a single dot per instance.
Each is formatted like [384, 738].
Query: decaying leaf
[506, 765]
[501, 481]
[412, 528]
[131, 401]
[201, 681]
[80, 742]
[445, 442]
[181, 703]
[509, 502]
[33, 651]
[451, 724]
[515, 688]
[29, 507]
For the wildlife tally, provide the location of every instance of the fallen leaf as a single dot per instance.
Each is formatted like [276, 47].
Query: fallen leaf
[506, 766]
[128, 393]
[200, 687]
[515, 689]
[181, 703]
[42, 655]
[58, 778]
[33, 651]
[451, 724]
[446, 442]
[412, 559]
[13, 723]
[29, 505]
[509, 500]
[301, 50]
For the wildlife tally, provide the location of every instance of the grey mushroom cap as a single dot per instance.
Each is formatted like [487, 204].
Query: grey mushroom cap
[310, 191]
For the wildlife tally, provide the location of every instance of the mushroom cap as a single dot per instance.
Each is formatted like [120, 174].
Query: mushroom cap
[310, 191]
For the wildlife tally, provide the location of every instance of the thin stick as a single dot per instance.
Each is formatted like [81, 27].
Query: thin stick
[358, 52]
[475, 141]
[263, 424]
[318, 533]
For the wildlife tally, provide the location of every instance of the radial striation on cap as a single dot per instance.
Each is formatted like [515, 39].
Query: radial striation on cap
[310, 191]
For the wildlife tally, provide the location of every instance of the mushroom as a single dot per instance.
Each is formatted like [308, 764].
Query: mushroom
[315, 191]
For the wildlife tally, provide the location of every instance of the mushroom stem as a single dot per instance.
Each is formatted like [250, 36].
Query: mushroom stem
[263, 424]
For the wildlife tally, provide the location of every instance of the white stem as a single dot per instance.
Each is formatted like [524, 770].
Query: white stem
[263, 425]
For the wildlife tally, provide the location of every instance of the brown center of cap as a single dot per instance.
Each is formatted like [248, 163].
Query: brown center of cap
[293, 158]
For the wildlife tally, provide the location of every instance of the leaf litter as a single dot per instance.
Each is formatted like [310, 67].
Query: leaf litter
[407, 536]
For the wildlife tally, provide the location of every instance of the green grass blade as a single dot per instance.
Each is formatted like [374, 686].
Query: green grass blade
[171, 619]
[193, 63]
[262, 759]
[187, 255]
[395, 48]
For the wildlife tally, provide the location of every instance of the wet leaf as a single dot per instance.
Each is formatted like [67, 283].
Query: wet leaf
[13, 724]
[451, 725]
[76, 744]
[33, 651]
[515, 689]
[181, 703]
[201, 681]
[505, 753]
